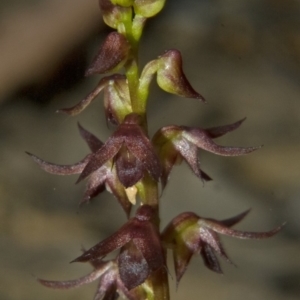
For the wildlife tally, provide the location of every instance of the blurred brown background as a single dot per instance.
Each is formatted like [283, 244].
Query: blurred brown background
[243, 56]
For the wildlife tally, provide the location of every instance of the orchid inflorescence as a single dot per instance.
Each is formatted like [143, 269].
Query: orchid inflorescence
[132, 166]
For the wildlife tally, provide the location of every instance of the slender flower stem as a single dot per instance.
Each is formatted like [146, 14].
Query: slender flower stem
[157, 283]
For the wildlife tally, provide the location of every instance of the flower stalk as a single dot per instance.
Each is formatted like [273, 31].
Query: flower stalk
[135, 167]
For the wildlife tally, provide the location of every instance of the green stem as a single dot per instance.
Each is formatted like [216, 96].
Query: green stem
[157, 285]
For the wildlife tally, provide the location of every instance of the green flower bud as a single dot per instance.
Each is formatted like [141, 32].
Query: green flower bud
[123, 3]
[114, 15]
[170, 76]
[148, 8]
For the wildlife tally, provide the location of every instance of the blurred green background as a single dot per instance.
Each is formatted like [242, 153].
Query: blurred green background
[242, 56]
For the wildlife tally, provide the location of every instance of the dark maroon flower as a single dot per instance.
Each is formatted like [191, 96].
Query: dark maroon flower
[103, 178]
[174, 143]
[141, 252]
[131, 151]
[188, 234]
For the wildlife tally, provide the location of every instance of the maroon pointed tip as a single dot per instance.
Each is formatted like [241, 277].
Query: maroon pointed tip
[63, 111]
[236, 219]
[81, 258]
[201, 98]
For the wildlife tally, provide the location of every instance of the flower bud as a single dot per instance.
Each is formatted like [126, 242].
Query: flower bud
[113, 15]
[112, 55]
[123, 3]
[148, 8]
[170, 76]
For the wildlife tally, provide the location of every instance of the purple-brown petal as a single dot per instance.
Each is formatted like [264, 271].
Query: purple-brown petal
[107, 291]
[112, 55]
[60, 169]
[201, 139]
[211, 238]
[129, 169]
[190, 154]
[140, 146]
[95, 185]
[113, 242]
[100, 157]
[215, 132]
[236, 219]
[93, 142]
[77, 282]
[133, 267]
[210, 259]
[220, 228]
[78, 108]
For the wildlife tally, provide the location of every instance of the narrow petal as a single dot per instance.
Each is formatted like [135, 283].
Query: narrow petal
[190, 154]
[140, 146]
[106, 152]
[220, 228]
[61, 169]
[236, 219]
[209, 258]
[215, 132]
[201, 139]
[93, 142]
[211, 238]
[64, 285]
[78, 108]
[182, 256]
[113, 242]
[106, 292]
[95, 185]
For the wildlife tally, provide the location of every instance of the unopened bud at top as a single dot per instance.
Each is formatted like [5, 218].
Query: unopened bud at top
[124, 3]
[114, 15]
[148, 8]
[170, 76]
[112, 55]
